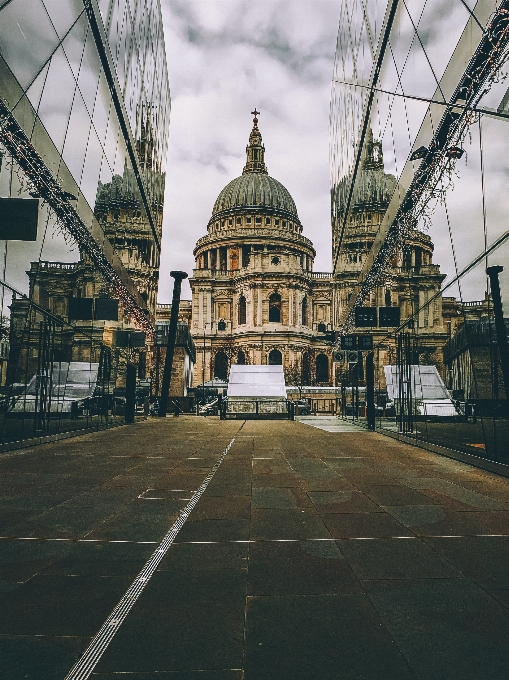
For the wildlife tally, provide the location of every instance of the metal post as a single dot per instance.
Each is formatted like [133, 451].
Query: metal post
[203, 370]
[130, 393]
[409, 359]
[400, 378]
[370, 391]
[172, 332]
[500, 328]
[158, 361]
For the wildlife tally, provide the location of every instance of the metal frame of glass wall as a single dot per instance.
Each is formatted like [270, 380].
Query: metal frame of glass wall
[84, 116]
[419, 113]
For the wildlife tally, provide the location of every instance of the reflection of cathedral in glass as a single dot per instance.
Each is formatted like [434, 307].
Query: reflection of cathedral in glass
[123, 218]
[412, 277]
[100, 168]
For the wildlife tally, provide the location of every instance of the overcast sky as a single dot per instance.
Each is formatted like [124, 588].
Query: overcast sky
[226, 57]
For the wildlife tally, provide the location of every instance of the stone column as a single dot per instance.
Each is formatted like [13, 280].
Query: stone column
[209, 308]
[200, 309]
[259, 306]
[290, 307]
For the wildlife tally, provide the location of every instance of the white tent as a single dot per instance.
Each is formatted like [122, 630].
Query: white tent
[257, 392]
[427, 389]
[256, 381]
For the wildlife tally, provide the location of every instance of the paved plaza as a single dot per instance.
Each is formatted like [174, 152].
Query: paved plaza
[308, 555]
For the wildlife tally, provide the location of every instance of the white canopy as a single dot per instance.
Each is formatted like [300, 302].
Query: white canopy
[426, 383]
[256, 381]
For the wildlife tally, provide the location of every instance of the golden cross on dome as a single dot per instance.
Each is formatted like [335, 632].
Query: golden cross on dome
[255, 113]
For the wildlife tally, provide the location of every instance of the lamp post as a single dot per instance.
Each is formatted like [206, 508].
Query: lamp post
[203, 369]
[500, 328]
[170, 348]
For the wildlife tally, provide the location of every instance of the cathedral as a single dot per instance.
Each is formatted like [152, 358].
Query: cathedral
[257, 300]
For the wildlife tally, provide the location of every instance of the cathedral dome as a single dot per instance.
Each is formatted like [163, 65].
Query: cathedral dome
[255, 191]
[373, 188]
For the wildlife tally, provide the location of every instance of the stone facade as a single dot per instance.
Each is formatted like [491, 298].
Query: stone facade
[256, 298]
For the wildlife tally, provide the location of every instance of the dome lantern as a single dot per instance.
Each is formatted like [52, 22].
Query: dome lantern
[255, 150]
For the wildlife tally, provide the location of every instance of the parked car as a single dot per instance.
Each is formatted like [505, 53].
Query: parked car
[302, 407]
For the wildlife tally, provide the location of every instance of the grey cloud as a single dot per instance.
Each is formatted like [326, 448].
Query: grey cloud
[273, 39]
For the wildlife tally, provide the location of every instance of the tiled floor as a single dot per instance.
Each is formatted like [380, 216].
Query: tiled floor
[311, 555]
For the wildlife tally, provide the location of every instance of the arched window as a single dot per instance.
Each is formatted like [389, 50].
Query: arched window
[305, 311]
[275, 358]
[241, 357]
[221, 366]
[275, 308]
[242, 310]
[305, 373]
[322, 368]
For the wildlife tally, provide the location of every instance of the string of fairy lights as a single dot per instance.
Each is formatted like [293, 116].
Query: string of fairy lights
[436, 172]
[39, 180]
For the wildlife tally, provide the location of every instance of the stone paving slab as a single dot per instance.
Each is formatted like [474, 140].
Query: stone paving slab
[311, 555]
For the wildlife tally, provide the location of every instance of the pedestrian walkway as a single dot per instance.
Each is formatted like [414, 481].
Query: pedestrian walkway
[329, 423]
[308, 555]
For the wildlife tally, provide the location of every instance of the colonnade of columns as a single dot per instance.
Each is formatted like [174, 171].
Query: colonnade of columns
[229, 258]
[254, 307]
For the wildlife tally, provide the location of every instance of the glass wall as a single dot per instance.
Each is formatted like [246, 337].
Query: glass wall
[84, 115]
[419, 113]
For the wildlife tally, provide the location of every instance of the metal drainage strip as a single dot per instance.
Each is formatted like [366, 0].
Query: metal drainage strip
[84, 667]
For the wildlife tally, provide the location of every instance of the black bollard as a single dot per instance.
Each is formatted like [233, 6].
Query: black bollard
[370, 391]
[130, 393]
[170, 348]
[500, 328]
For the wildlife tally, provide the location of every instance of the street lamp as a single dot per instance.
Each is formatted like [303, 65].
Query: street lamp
[172, 333]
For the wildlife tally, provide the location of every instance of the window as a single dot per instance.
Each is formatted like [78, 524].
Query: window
[246, 255]
[255, 154]
[242, 311]
[322, 368]
[267, 220]
[284, 223]
[275, 308]
[230, 222]
[305, 372]
[305, 311]
[221, 366]
[258, 220]
[239, 220]
[241, 357]
[276, 222]
[275, 358]
[388, 298]
[248, 220]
